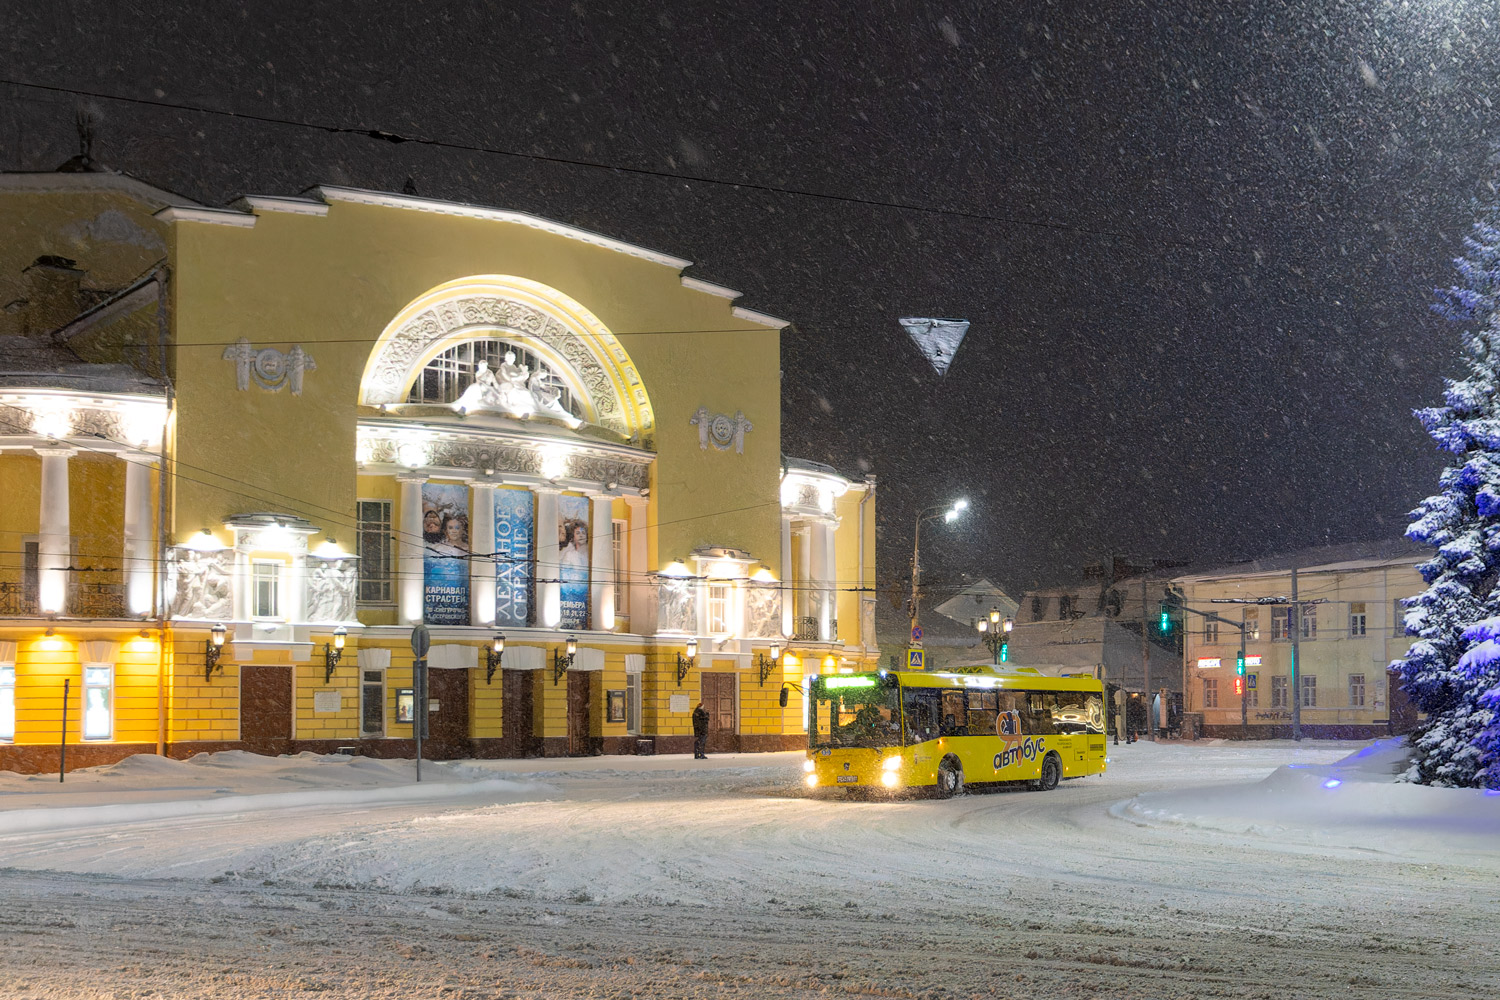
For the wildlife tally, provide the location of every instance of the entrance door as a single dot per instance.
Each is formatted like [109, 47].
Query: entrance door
[265, 706]
[580, 687]
[718, 700]
[449, 725]
[516, 722]
[1403, 714]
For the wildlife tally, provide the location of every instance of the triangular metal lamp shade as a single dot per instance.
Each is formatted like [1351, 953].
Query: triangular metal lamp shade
[937, 339]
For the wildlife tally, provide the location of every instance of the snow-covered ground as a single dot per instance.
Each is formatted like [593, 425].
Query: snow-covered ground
[1188, 870]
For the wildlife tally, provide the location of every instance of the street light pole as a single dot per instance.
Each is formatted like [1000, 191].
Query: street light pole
[949, 515]
[995, 633]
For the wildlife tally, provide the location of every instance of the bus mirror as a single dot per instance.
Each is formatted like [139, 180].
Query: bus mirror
[783, 697]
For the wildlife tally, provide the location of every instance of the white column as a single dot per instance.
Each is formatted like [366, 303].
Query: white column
[819, 572]
[138, 532]
[788, 595]
[830, 582]
[602, 563]
[642, 592]
[548, 569]
[54, 534]
[804, 572]
[482, 544]
[409, 550]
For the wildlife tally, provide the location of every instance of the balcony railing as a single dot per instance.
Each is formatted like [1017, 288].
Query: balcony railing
[16, 598]
[98, 600]
[806, 630]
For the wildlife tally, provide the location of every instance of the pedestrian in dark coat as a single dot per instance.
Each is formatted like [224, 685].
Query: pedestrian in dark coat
[700, 732]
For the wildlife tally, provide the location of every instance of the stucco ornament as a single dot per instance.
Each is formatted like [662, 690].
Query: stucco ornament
[678, 612]
[515, 390]
[271, 369]
[330, 588]
[200, 583]
[721, 430]
[763, 611]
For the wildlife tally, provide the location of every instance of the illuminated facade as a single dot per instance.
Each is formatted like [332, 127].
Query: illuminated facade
[245, 450]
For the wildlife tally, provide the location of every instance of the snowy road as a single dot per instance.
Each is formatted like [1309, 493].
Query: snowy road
[667, 877]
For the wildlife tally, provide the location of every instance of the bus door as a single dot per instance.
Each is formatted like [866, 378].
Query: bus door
[1039, 716]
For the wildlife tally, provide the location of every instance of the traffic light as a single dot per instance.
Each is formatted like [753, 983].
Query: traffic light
[1239, 664]
[1239, 686]
[1166, 617]
[1005, 649]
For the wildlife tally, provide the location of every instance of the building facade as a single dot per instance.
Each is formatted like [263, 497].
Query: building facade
[247, 450]
[1350, 628]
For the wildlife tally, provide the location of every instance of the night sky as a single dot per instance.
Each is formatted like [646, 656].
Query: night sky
[1197, 249]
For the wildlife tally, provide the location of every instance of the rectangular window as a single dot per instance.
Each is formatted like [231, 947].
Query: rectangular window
[1210, 692]
[1356, 619]
[1210, 631]
[372, 703]
[632, 703]
[1038, 607]
[375, 550]
[7, 702]
[1252, 694]
[1278, 693]
[1309, 691]
[617, 543]
[1310, 621]
[1280, 632]
[1065, 606]
[98, 702]
[1252, 623]
[265, 585]
[1398, 616]
[718, 608]
[1356, 690]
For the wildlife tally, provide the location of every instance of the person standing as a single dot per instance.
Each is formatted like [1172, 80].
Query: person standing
[700, 732]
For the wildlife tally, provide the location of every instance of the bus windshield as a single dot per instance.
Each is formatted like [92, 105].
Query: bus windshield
[854, 710]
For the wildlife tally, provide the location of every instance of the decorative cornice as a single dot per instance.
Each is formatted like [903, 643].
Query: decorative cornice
[764, 319]
[699, 285]
[211, 216]
[261, 204]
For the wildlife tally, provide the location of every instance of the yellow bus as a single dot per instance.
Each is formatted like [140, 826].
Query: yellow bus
[895, 730]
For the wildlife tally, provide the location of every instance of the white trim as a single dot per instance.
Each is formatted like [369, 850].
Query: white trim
[98, 653]
[453, 656]
[635, 663]
[362, 196]
[211, 216]
[588, 658]
[523, 658]
[374, 659]
[765, 319]
[260, 204]
[708, 287]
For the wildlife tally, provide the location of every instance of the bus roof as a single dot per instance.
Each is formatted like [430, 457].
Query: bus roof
[1014, 678]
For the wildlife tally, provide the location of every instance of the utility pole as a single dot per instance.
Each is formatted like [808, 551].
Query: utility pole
[1296, 624]
[1244, 682]
[1146, 662]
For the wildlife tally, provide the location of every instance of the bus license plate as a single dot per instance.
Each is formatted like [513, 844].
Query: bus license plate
[847, 779]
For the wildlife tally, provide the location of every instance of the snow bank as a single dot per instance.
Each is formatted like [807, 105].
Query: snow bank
[1353, 803]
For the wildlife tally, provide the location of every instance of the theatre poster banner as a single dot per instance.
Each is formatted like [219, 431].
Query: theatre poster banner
[515, 538]
[573, 559]
[445, 554]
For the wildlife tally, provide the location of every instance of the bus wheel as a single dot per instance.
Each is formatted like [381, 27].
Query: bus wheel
[950, 778]
[1051, 773]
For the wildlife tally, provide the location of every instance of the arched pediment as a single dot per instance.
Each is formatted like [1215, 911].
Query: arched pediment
[549, 322]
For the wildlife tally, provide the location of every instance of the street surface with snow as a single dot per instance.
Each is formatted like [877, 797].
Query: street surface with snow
[1209, 869]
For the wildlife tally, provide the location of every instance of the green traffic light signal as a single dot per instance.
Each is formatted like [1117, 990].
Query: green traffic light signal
[1166, 618]
[1005, 651]
[1239, 664]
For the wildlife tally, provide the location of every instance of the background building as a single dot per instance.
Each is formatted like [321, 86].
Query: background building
[298, 426]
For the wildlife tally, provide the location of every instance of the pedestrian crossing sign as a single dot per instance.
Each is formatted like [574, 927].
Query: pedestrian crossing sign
[914, 659]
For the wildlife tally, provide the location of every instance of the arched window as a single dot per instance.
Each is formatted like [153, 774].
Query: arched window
[447, 376]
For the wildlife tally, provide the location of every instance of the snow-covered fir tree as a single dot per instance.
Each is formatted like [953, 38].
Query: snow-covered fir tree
[1454, 746]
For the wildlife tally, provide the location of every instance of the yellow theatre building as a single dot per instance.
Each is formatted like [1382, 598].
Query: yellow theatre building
[245, 450]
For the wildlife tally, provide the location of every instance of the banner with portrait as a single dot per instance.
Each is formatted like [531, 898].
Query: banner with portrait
[445, 554]
[515, 542]
[573, 560]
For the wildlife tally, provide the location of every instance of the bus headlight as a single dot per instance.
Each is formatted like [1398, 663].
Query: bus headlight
[812, 781]
[891, 764]
[807, 765]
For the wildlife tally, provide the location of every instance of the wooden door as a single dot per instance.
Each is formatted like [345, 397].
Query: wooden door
[580, 688]
[718, 700]
[449, 725]
[517, 721]
[265, 705]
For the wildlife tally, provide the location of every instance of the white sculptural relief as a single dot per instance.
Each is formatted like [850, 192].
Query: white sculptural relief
[517, 391]
[678, 612]
[331, 589]
[201, 583]
[763, 611]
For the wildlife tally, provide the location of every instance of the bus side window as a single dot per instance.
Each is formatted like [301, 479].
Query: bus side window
[982, 711]
[955, 715]
[921, 714]
[1036, 715]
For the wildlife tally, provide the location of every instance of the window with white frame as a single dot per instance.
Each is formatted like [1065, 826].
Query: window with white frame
[375, 550]
[1309, 621]
[1356, 619]
[617, 543]
[1252, 623]
[265, 588]
[1281, 630]
[7, 702]
[1309, 691]
[98, 701]
[718, 608]
[633, 703]
[1210, 631]
[1210, 692]
[372, 702]
[1398, 616]
[1278, 693]
[1252, 694]
[1356, 690]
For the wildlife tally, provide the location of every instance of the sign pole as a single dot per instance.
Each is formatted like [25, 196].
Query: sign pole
[62, 745]
[421, 641]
